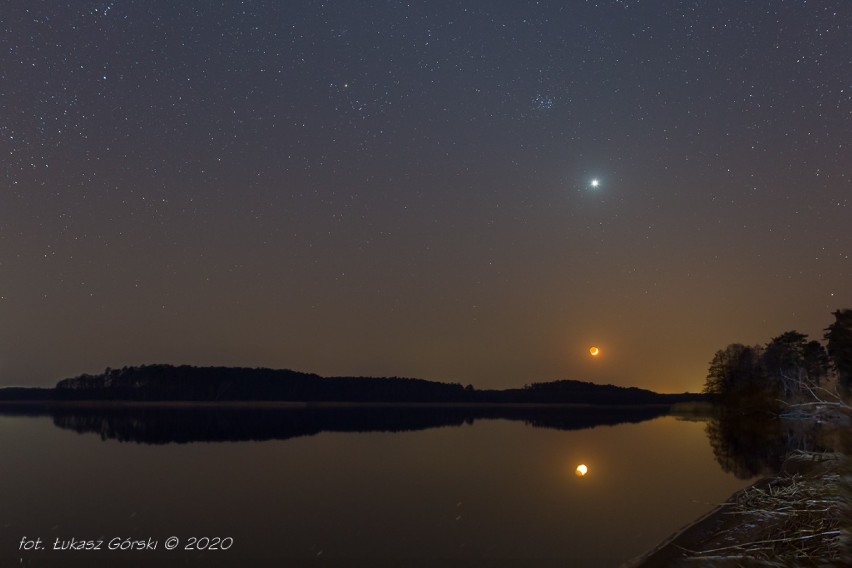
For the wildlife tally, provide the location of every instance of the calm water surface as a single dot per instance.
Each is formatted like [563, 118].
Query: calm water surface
[492, 492]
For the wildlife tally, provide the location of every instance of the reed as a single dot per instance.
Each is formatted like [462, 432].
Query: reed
[792, 520]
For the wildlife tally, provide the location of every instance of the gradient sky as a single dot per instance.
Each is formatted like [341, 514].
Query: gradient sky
[404, 188]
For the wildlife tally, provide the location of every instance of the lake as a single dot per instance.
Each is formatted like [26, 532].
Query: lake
[349, 487]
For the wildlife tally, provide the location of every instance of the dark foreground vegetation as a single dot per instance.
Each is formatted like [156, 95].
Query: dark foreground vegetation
[229, 384]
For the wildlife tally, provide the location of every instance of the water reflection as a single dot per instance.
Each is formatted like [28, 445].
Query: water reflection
[750, 445]
[464, 496]
[163, 425]
[746, 445]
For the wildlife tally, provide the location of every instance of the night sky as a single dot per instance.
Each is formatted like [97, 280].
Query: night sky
[406, 188]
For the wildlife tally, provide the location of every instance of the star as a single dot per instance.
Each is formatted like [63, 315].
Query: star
[595, 182]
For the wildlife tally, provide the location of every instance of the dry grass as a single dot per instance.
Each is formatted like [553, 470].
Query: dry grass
[793, 520]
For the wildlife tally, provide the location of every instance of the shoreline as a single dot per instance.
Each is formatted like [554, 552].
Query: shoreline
[793, 515]
[691, 535]
[286, 404]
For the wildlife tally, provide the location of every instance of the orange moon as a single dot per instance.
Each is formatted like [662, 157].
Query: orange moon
[594, 351]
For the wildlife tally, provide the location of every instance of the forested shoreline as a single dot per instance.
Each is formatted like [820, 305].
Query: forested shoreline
[781, 413]
[224, 384]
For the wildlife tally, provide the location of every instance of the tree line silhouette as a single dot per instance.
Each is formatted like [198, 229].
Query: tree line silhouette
[227, 384]
[788, 368]
[756, 386]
